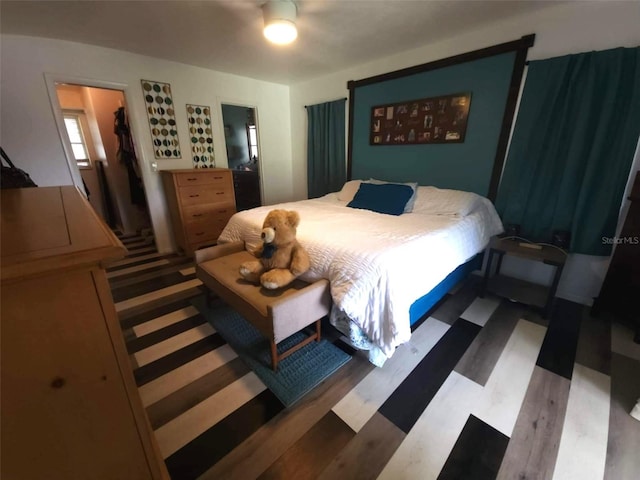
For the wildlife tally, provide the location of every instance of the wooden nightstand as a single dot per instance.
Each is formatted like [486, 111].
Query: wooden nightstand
[519, 290]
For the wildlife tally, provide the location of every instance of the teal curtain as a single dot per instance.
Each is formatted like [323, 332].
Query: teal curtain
[572, 148]
[326, 166]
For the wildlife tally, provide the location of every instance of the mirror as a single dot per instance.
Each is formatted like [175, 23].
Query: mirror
[243, 153]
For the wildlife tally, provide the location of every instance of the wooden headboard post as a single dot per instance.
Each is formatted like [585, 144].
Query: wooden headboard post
[519, 46]
[509, 111]
[352, 94]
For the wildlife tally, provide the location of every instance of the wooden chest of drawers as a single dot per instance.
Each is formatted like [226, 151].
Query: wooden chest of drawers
[70, 406]
[201, 202]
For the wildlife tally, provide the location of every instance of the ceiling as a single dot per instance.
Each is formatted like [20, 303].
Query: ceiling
[226, 35]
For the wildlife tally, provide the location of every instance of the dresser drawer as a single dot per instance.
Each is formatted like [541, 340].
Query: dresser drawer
[206, 243]
[202, 178]
[201, 231]
[200, 194]
[207, 213]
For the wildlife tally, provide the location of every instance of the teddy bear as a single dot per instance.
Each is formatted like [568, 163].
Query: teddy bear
[281, 258]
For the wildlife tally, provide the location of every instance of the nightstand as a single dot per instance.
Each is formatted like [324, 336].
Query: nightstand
[519, 290]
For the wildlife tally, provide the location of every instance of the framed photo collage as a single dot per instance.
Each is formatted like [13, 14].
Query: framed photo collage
[440, 119]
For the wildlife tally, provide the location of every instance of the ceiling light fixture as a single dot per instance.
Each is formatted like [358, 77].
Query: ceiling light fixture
[280, 21]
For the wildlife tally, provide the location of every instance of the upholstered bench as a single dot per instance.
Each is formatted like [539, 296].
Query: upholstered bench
[277, 314]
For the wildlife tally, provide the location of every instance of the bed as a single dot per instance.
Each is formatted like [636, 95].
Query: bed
[380, 266]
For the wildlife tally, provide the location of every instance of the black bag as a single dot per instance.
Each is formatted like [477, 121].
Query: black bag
[12, 176]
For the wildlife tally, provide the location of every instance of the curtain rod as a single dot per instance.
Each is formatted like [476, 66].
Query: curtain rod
[344, 98]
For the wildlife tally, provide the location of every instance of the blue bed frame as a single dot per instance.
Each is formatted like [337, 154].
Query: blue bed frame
[421, 306]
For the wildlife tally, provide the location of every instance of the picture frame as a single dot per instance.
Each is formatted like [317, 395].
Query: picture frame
[441, 119]
[201, 136]
[162, 120]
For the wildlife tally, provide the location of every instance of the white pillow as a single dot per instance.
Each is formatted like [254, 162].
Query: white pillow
[440, 201]
[408, 208]
[349, 190]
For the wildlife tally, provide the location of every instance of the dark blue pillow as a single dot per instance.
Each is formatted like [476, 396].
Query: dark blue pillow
[389, 198]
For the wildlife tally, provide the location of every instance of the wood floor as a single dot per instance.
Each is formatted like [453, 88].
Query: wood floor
[485, 389]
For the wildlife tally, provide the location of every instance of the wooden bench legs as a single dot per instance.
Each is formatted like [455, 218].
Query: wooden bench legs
[275, 358]
[276, 314]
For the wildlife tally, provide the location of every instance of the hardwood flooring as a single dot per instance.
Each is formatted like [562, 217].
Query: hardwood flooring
[485, 389]
[536, 434]
[477, 453]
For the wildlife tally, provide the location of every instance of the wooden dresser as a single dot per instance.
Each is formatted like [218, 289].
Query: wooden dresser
[201, 202]
[70, 405]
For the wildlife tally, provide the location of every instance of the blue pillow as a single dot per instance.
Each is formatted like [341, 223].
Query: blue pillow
[389, 198]
[408, 208]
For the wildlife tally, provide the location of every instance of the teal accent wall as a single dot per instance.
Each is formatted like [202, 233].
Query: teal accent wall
[462, 166]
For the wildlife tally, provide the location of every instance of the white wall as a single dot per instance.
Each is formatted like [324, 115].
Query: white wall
[30, 137]
[562, 29]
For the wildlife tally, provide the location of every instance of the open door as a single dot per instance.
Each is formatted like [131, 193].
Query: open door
[243, 153]
[96, 125]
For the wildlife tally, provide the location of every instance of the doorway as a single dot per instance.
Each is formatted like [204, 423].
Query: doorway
[243, 153]
[96, 126]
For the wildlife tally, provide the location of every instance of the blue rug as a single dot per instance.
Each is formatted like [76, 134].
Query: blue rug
[297, 374]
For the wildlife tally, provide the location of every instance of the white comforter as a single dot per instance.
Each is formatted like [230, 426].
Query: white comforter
[378, 265]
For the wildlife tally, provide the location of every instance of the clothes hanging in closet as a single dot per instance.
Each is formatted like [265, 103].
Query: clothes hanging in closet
[127, 155]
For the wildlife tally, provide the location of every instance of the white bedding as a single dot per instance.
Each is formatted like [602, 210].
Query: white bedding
[378, 265]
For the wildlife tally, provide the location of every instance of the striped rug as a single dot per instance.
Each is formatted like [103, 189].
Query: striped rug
[484, 389]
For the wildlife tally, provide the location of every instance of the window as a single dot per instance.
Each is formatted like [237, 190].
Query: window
[76, 136]
[252, 136]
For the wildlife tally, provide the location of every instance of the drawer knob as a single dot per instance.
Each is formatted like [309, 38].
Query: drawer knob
[199, 233]
[191, 179]
[194, 196]
[218, 178]
[222, 211]
[58, 382]
[196, 215]
[219, 193]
